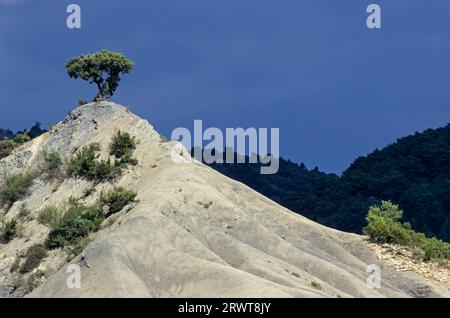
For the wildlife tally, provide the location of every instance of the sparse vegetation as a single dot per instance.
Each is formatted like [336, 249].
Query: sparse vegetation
[82, 102]
[24, 212]
[85, 164]
[6, 147]
[316, 285]
[15, 187]
[77, 247]
[9, 230]
[86, 161]
[33, 258]
[15, 266]
[50, 216]
[384, 226]
[52, 163]
[122, 147]
[123, 144]
[33, 282]
[77, 222]
[114, 201]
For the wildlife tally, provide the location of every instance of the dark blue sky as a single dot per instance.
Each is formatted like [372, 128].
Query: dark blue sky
[335, 89]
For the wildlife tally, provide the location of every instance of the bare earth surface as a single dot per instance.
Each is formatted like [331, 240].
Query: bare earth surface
[194, 232]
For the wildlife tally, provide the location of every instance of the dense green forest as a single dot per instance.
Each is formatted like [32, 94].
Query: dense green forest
[414, 173]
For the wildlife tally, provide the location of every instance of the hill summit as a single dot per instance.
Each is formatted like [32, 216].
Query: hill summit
[191, 232]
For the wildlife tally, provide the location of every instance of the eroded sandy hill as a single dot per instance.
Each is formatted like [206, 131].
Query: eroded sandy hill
[194, 232]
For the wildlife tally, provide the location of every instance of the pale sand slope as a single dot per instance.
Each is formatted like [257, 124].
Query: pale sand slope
[195, 232]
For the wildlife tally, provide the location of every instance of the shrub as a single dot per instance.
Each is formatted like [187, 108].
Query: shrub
[53, 161]
[15, 266]
[50, 216]
[8, 230]
[34, 256]
[117, 199]
[15, 187]
[104, 170]
[82, 102]
[77, 222]
[122, 145]
[6, 147]
[77, 247]
[24, 212]
[383, 226]
[22, 138]
[33, 282]
[84, 164]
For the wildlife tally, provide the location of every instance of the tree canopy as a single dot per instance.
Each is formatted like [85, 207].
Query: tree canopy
[413, 172]
[102, 68]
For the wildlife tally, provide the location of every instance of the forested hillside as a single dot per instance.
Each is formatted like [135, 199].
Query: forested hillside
[414, 172]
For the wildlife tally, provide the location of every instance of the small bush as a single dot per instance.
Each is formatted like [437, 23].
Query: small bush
[15, 266]
[77, 247]
[82, 102]
[24, 212]
[50, 216]
[122, 145]
[15, 187]
[33, 258]
[78, 222]
[22, 138]
[53, 162]
[6, 147]
[33, 282]
[9, 230]
[117, 199]
[316, 285]
[104, 170]
[84, 164]
[383, 226]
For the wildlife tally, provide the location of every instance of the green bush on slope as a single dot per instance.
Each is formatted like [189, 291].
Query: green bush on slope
[384, 226]
[15, 188]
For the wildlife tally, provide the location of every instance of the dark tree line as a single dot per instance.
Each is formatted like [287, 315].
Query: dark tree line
[413, 172]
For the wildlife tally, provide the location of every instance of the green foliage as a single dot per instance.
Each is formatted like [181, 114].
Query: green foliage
[413, 172]
[52, 160]
[117, 199]
[33, 282]
[122, 145]
[102, 68]
[50, 216]
[77, 247]
[15, 188]
[85, 164]
[22, 138]
[15, 266]
[77, 222]
[6, 147]
[34, 256]
[383, 226]
[24, 212]
[8, 230]
[82, 102]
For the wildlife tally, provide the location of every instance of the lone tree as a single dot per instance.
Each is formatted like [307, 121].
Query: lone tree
[102, 68]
